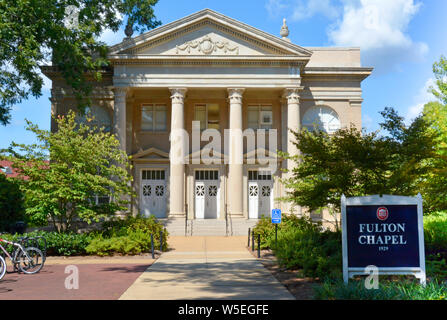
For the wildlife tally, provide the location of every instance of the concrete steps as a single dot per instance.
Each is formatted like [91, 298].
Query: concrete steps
[208, 227]
[239, 227]
[175, 227]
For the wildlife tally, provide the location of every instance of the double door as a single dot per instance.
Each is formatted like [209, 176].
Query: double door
[153, 193]
[260, 194]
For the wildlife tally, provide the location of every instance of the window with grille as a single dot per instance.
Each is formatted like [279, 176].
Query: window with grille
[260, 117]
[321, 118]
[208, 115]
[259, 175]
[96, 116]
[153, 118]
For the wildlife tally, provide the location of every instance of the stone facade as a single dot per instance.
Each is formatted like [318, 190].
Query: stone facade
[210, 68]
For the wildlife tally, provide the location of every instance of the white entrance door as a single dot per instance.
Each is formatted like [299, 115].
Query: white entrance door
[153, 193]
[200, 191]
[253, 200]
[207, 194]
[260, 194]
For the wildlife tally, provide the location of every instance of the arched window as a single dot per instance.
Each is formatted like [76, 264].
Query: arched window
[321, 118]
[101, 117]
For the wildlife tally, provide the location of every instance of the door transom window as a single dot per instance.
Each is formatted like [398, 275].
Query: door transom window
[207, 175]
[153, 174]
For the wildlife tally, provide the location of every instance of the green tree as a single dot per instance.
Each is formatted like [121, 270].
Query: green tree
[357, 163]
[440, 71]
[32, 32]
[11, 202]
[435, 113]
[85, 162]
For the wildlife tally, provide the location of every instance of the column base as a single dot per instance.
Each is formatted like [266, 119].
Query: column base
[177, 215]
[236, 215]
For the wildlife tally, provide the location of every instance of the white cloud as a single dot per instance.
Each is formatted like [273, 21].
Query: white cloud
[379, 28]
[423, 97]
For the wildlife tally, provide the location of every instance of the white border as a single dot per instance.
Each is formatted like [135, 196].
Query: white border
[384, 200]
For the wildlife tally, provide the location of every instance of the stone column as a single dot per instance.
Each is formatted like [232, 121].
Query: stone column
[293, 124]
[236, 156]
[177, 165]
[119, 112]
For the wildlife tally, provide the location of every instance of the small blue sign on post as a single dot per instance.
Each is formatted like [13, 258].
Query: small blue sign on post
[276, 216]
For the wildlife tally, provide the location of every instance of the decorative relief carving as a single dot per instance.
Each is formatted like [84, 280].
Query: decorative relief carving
[206, 45]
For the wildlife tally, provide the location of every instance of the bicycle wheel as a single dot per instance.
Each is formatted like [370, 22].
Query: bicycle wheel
[31, 264]
[2, 267]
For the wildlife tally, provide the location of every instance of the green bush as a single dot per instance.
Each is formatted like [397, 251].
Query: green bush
[128, 236]
[435, 233]
[388, 290]
[318, 254]
[59, 244]
[303, 244]
[436, 267]
[266, 229]
[11, 203]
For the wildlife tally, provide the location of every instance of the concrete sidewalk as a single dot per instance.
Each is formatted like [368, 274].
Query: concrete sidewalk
[206, 268]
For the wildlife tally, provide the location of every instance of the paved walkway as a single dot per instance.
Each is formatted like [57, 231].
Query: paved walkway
[206, 268]
[107, 281]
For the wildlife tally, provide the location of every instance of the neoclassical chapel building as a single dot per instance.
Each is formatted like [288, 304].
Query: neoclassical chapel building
[210, 75]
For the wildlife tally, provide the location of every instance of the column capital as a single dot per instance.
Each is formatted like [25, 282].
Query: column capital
[235, 94]
[120, 91]
[178, 94]
[292, 94]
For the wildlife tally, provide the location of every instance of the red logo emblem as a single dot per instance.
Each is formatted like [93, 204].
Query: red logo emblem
[382, 213]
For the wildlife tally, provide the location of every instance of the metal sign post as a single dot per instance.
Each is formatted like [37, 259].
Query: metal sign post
[383, 231]
[276, 219]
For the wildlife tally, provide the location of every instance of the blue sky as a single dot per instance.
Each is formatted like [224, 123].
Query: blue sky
[399, 38]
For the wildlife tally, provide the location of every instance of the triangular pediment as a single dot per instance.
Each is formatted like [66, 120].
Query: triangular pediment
[208, 33]
[206, 153]
[260, 153]
[151, 153]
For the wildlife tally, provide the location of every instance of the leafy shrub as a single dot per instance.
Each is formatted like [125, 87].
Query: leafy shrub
[303, 244]
[436, 267]
[109, 246]
[59, 244]
[128, 236]
[435, 233]
[388, 290]
[266, 229]
[317, 253]
[11, 203]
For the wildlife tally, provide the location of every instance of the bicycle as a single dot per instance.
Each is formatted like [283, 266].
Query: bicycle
[28, 260]
[2, 267]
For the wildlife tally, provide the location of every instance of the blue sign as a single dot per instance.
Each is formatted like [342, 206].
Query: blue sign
[276, 216]
[383, 236]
